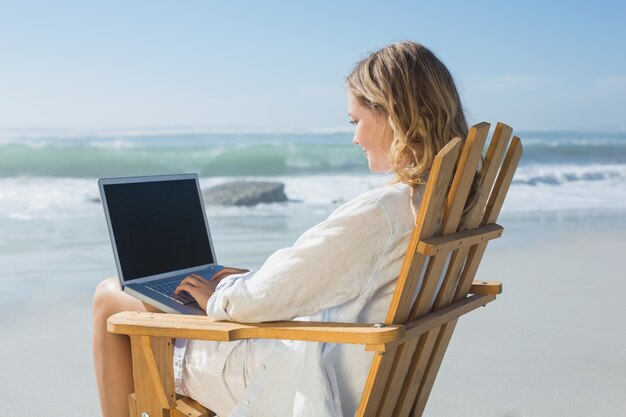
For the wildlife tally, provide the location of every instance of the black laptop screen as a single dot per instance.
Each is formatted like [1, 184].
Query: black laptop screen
[158, 227]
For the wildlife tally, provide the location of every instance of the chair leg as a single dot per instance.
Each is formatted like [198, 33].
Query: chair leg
[187, 407]
[153, 376]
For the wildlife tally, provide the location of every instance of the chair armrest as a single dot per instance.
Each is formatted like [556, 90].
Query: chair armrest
[376, 337]
[204, 328]
[418, 327]
[486, 287]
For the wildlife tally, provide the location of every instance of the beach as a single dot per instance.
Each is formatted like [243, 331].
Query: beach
[553, 344]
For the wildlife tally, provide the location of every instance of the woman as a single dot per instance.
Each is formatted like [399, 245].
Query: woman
[405, 106]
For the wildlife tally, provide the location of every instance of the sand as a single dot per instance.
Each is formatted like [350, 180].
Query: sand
[46, 357]
[553, 344]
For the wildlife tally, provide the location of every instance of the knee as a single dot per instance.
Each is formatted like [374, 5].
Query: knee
[105, 299]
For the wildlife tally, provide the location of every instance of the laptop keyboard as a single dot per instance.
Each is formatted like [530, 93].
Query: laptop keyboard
[167, 288]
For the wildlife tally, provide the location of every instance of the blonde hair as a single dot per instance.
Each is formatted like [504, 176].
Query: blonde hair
[412, 88]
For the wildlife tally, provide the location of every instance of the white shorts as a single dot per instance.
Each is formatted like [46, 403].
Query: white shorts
[216, 373]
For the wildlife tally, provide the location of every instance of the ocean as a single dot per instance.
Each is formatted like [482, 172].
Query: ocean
[52, 224]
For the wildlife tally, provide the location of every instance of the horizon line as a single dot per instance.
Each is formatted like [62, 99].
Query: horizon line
[193, 130]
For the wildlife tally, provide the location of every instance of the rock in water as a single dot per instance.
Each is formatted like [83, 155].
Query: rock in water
[245, 193]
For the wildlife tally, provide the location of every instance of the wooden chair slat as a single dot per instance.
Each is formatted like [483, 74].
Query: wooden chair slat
[408, 358]
[427, 224]
[505, 178]
[464, 175]
[475, 254]
[401, 369]
[457, 197]
[428, 286]
[491, 215]
[375, 384]
[493, 159]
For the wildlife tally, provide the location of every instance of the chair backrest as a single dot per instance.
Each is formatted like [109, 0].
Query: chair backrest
[400, 380]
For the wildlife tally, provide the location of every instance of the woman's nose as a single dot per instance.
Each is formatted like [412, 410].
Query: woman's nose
[354, 140]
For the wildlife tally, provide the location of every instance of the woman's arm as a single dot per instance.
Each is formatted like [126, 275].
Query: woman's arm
[327, 266]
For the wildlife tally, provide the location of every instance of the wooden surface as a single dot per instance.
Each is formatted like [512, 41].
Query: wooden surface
[187, 407]
[422, 325]
[454, 241]
[140, 323]
[153, 375]
[462, 262]
[416, 352]
[496, 181]
[203, 328]
[427, 222]
[486, 287]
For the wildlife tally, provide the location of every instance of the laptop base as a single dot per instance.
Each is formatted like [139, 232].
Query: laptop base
[162, 302]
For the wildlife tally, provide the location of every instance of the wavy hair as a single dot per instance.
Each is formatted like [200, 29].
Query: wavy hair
[406, 83]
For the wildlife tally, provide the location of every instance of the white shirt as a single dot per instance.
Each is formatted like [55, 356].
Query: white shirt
[343, 270]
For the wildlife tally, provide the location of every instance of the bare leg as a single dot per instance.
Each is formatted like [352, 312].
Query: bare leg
[111, 352]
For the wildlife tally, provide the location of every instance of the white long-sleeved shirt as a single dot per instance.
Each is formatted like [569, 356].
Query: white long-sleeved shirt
[344, 270]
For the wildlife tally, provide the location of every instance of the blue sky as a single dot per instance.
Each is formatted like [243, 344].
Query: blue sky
[280, 65]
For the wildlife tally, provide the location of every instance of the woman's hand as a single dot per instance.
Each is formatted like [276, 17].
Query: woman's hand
[201, 289]
[225, 272]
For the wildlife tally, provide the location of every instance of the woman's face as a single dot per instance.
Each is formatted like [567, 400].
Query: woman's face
[372, 133]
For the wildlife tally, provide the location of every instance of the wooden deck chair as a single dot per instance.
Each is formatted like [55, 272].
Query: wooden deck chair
[431, 294]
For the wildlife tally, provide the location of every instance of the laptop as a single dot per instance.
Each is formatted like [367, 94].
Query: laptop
[160, 235]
